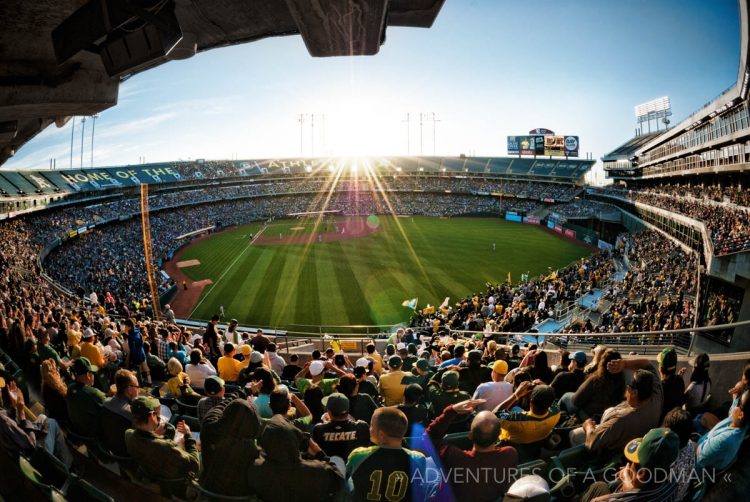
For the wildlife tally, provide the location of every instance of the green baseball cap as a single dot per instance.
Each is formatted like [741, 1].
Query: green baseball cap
[423, 364]
[475, 355]
[395, 362]
[667, 358]
[658, 449]
[449, 380]
[336, 403]
[143, 406]
[82, 365]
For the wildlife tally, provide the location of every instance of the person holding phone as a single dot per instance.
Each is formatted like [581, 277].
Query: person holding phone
[157, 456]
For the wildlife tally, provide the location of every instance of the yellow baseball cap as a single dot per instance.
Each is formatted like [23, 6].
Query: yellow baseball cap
[500, 367]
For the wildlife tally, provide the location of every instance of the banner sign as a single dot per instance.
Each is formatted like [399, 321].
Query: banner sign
[531, 220]
[550, 224]
[558, 229]
[606, 246]
[570, 233]
[513, 217]
[541, 131]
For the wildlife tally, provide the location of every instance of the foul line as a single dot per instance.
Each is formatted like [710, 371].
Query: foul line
[208, 293]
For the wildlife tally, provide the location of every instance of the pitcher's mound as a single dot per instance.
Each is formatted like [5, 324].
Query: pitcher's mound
[202, 284]
[188, 263]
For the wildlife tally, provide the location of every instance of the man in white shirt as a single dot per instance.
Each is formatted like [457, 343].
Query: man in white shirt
[276, 361]
[199, 369]
[496, 391]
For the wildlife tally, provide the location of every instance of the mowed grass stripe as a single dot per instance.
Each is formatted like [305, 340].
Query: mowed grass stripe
[355, 303]
[270, 282]
[245, 302]
[306, 290]
[331, 298]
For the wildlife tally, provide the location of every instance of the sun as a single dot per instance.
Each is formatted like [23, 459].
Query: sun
[354, 129]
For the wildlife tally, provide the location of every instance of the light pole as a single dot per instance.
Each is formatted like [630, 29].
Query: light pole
[93, 126]
[301, 120]
[433, 132]
[72, 133]
[83, 129]
[408, 142]
[312, 134]
[421, 117]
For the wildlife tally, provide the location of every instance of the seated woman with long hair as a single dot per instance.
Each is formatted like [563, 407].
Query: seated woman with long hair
[54, 391]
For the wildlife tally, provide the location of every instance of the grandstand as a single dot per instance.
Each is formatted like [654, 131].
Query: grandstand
[512, 377]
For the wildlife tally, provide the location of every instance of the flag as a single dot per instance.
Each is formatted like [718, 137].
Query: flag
[412, 304]
[445, 303]
[509, 281]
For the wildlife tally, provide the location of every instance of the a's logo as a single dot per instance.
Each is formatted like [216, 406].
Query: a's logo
[571, 143]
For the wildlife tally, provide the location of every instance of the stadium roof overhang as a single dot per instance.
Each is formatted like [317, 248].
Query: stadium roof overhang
[64, 58]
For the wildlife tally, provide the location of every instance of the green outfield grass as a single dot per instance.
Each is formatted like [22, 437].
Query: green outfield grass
[364, 280]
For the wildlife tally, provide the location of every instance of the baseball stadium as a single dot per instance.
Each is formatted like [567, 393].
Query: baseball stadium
[538, 322]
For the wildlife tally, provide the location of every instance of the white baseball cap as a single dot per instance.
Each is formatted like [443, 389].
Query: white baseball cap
[316, 368]
[363, 362]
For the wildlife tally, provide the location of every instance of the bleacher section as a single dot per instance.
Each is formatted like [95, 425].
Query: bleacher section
[53, 185]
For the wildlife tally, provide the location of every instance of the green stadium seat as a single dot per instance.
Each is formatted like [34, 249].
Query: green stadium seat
[80, 490]
[53, 471]
[538, 467]
[205, 495]
[459, 439]
[34, 478]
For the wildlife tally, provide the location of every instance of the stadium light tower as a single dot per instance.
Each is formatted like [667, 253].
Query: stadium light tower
[408, 131]
[656, 109]
[301, 121]
[83, 130]
[421, 123]
[93, 127]
[433, 132]
[72, 134]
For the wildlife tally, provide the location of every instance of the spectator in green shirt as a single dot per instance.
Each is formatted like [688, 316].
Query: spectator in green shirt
[84, 402]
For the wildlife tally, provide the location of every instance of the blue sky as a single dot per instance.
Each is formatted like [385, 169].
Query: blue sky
[487, 69]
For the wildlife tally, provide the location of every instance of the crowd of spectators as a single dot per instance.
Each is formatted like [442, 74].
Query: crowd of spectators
[729, 226]
[518, 307]
[717, 192]
[657, 292]
[581, 209]
[471, 410]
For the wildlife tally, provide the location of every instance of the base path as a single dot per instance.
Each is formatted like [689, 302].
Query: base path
[188, 290]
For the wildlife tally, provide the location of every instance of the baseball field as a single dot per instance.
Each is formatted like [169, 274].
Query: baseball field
[356, 270]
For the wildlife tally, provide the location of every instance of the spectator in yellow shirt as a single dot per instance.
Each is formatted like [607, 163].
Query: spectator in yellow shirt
[377, 359]
[90, 351]
[229, 367]
[392, 385]
[179, 383]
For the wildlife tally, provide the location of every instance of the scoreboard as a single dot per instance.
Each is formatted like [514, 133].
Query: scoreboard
[543, 145]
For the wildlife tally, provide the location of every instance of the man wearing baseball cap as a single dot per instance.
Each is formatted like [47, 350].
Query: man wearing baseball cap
[316, 371]
[570, 380]
[393, 383]
[157, 456]
[671, 382]
[341, 434]
[213, 386]
[447, 394]
[524, 427]
[474, 373]
[647, 473]
[84, 402]
[495, 392]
